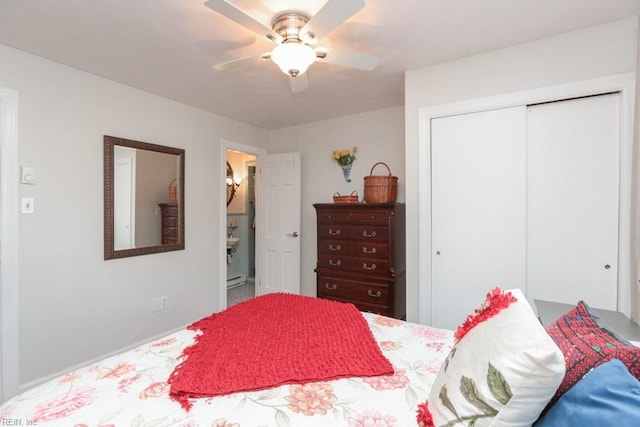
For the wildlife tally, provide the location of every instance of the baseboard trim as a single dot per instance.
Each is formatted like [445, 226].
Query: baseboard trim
[39, 381]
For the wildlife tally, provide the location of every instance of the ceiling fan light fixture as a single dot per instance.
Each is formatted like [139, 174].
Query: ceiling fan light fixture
[293, 58]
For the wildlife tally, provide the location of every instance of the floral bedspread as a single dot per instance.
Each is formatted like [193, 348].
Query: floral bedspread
[130, 389]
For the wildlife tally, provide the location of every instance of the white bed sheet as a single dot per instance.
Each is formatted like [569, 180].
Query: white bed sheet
[130, 389]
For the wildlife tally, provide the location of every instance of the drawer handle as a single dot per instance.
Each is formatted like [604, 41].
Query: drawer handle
[334, 248]
[366, 267]
[366, 250]
[333, 232]
[335, 263]
[331, 287]
[365, 234]
[374, 294]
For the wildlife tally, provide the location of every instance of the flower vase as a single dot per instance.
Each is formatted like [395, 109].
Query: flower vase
[346, 171]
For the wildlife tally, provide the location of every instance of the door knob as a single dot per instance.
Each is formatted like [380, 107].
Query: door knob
[607, 266]
[294, 234]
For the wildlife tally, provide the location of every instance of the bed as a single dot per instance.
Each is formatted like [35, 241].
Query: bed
[501, 367]
[131, 389]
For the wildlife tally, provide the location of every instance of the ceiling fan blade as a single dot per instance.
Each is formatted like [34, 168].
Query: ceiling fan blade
[332, 14]
[240, 62]
[347, 58]
[240, 17]
[299, 83]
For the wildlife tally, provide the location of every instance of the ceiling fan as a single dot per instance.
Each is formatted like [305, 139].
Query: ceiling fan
[294, 34]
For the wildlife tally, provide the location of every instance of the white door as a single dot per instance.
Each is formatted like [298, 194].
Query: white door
[478, 209]
[278, 223]
[572, 196]
[124, 201]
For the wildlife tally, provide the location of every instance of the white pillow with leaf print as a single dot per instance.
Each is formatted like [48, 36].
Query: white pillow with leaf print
[502, 372]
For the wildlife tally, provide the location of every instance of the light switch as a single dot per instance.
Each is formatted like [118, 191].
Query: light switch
[27, 205]
[28, 175]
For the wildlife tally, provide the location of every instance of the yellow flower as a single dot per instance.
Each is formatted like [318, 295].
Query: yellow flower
[344, 156]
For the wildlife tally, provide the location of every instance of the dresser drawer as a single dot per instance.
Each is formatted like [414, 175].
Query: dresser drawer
[353, 291]
[370, 233]
[370, 218]
[171, 221]
[339, 247]
[370, 266]
[370, 249]
[334, 261]
[333, 217]
[382, 310]
[170, 210]
[169, 231]
[334, 231]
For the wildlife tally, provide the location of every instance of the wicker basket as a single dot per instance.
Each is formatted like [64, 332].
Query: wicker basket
[380, 188]
[173, 192]
[352, 198]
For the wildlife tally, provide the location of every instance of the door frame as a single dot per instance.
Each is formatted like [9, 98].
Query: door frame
[249, 149]
[9, 285]
[624, 84]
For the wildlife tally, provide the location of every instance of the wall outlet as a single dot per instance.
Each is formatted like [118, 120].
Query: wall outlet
[27, 205]
[159, 303]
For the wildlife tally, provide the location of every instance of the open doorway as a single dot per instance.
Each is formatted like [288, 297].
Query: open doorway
[241, 226]
[277, 227]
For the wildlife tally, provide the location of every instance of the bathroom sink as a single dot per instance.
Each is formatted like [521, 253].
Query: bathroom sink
[232, 241]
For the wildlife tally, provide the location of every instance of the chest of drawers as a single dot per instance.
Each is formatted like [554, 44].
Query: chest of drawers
[361, 256]
[169, 226]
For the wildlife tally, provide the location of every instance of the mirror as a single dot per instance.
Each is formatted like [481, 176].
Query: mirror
[232, 184]
[143, 198]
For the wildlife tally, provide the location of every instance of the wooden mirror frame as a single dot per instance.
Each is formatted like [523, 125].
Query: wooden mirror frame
[231, 188]
[109, 148]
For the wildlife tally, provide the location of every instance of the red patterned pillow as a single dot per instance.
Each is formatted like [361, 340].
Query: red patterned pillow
[586, 343]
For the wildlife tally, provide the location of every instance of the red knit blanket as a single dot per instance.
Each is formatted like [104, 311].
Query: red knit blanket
[272, 340]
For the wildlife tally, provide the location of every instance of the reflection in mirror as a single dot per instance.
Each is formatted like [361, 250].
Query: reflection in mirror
[232, 184]
[143, 198]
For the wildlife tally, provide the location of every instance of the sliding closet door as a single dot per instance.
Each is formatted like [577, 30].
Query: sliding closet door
[478, 209]
[572, 197]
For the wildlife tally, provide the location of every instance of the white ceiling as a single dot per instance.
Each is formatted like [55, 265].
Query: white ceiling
[168, 47]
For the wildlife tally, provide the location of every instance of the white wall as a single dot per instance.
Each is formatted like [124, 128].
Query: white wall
[73, 305]
[379, 136]
[635, 206]
[593, 52]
